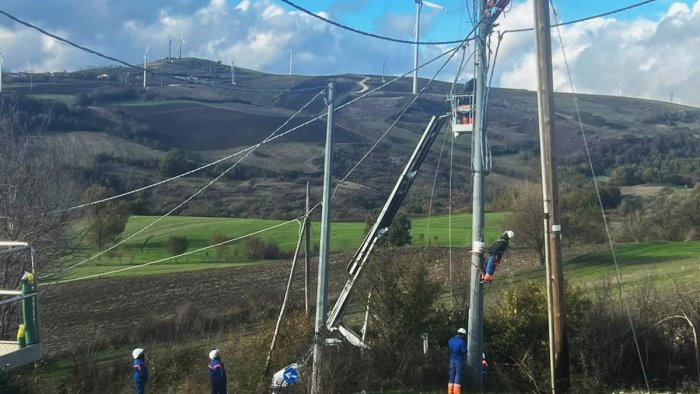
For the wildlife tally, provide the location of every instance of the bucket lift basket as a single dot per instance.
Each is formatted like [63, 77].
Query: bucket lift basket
[462, 120]
[27, 348]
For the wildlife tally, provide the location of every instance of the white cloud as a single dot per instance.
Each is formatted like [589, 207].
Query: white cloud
[647, 57]
[642, 58]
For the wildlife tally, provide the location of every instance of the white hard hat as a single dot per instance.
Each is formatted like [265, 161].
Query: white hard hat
[137, 352]
[510, 234]
[213, 354]
[462, 331]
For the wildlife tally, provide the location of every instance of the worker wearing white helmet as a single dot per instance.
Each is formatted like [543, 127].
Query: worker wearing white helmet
[217, 373]
[496, 252]
[140, 376]
[458, 352]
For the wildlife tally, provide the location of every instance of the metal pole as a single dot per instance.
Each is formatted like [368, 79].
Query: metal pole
[307, 253]
[475, 340]
[321, 294]
[555, 279]
[419, 5]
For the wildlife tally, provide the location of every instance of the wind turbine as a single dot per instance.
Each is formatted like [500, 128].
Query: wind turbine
[145, 64]
[291, 56]
[170, 49]
[2, 60]
[233, 73]
[182, 41]
[419, 6]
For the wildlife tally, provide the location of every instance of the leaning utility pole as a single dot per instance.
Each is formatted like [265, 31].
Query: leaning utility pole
[475, 328]
[307, 253]
[322, 284]
[558, 344]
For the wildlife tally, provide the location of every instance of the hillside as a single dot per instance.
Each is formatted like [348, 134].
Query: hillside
[118, 133]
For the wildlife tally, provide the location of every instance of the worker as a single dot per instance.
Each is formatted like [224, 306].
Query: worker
[484, 366]
[496, 252]
[140, 371]
[458, 352]
[217, 373]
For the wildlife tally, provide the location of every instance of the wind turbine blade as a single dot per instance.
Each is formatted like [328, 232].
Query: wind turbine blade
[433, 5]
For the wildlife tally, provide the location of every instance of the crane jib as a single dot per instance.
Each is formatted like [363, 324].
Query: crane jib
[380, 228]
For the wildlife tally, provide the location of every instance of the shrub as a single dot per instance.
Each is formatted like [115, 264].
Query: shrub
[177, 244]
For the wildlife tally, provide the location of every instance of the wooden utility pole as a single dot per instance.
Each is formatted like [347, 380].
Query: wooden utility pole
[559, 347]
[475, 328]
[307, 251]
[324, 255]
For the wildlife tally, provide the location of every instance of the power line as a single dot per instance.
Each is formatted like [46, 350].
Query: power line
[249, 148]
[176, 256]
[266, 140]
[588, 18]
[400, 41]
[365, 33]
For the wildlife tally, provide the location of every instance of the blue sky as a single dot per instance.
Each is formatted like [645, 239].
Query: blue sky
[647, 52]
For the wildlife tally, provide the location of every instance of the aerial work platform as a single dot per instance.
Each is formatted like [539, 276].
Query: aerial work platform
[27, 348]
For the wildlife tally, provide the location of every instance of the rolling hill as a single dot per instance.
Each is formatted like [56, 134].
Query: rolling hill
[195, 107]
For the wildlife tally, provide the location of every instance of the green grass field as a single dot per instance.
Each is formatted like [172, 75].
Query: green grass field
[345, 237]
[665, 264]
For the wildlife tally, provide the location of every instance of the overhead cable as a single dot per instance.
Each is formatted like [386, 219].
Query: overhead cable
[364, 33]
[588, 18]
[400, 41]
[202, 189]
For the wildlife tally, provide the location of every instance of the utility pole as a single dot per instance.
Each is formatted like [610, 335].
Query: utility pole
[475, 328]
[558, 343]
[307, 253]
[233, 73]
[291, 56]
[383, 67]
[322, 285]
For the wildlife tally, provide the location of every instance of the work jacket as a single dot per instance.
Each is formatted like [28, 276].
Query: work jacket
[140, 371]
[217, 372]
[498, 248]
[458, 348]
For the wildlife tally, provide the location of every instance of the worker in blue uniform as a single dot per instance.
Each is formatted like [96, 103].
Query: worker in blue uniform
[458, 352]
[140, 376]
[217, 373]
[496, 252]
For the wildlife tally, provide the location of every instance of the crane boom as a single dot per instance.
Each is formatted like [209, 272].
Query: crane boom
[380, 228]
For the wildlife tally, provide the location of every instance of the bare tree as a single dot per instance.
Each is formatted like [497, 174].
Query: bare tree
[528, 218]
[32, 187]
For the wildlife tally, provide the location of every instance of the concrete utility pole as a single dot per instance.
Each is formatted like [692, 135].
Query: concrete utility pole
[475, 329]
[322, 285]
[559, 347]
[419, 6]
[307, 253]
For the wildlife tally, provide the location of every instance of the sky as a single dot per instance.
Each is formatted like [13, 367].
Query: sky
[648, 52]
